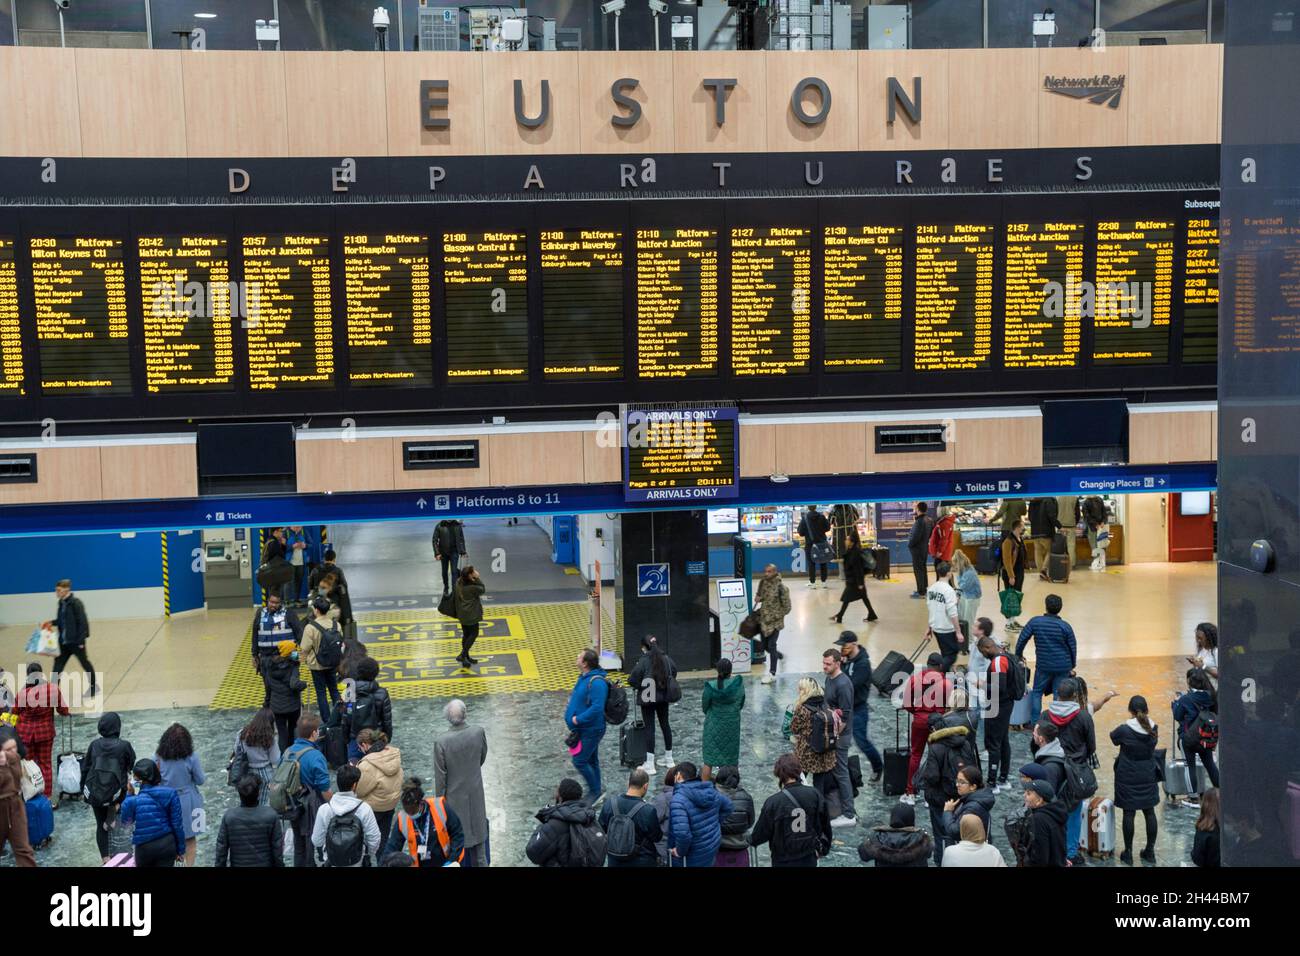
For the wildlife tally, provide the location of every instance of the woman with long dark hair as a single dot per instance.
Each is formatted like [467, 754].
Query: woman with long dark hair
[722, 702]
[1200, 697]
[260, 750]
[1205, 847]
[853, 569]
[1207, 651]
[468, 596]
[179, 770]
[654, 681]
[1136, 775]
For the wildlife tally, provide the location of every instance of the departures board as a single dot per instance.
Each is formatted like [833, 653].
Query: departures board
[266, 310]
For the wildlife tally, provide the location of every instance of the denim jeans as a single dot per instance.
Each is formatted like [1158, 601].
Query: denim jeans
[861, 716]
[1043, 680]
[1073, 827]
[587, 761]
[327, 686]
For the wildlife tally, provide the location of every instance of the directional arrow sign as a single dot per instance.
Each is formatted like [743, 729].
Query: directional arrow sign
[420, 503]
[1019, 486]
[209, 516]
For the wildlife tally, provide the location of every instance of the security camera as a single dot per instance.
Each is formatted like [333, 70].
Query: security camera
[613, 6]
[380, 20]
[63, 4]
[658, 6]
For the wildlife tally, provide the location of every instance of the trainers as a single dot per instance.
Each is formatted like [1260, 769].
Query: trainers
[844, 821]
[872, 618]
[908, 798]
[1191, 804]
[600, 798]
[812, 584]
[877, 774]
[767, 679]
[917, 596]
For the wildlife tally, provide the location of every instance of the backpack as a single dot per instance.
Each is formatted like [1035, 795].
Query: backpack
[1020, 833]
[615, 703]
[286, 789]
[795, 845]
[587, 845]
[824, 730]
[106, 779]
[365, 713]
[329, 653]
[620, 836]
[1080, 782]
[1203, 731]
[1017, 677]
[1094, 509]
[345, 839]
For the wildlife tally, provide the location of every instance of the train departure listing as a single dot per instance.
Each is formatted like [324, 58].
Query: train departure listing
[1201, 292]
[582, 304]
[389, 307]
[485, 280]
[1043, 320]
[1132, 292]
[11, 340]
[676, 303]
[863, 298]
[954, 297]
[189, 305]
[290, 312]
[79, 285]
[771, 293]
[681, 454]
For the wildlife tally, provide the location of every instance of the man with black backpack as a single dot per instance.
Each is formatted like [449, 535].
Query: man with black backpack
[568, 834]
[584, 718]
[105, 771]
[794, 820]
[322, 651]
[1078, 738]
[345, 832]
[1002, 680]
[631, 825]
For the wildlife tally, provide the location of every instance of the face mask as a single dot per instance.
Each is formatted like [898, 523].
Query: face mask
[293, 656]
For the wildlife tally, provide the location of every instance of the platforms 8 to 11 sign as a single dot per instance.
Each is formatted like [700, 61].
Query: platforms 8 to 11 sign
[681, 454]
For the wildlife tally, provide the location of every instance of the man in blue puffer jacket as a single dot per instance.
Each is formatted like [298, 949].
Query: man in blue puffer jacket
[1055, 653]
[585, 718]
[695, 819]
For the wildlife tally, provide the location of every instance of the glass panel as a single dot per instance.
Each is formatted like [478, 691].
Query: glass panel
[334, 24]
[1153, 15]
[93, 20]
[6, 22]
[947, 24]
[1011, 22]
[231, 29]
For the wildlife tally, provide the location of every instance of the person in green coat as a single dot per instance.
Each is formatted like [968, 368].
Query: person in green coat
[722, 703]
[468, 594]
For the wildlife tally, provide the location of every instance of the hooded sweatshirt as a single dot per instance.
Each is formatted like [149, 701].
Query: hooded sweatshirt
[695, 821]
[1078, 736]
[550, 843]
[1051, 757]
[381, 779]
[890, 847]
[967, 853]
[109, 751]
[340, 804]
[1047, 824]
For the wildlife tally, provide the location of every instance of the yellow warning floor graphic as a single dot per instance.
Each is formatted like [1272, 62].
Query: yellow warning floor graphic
[520, 648]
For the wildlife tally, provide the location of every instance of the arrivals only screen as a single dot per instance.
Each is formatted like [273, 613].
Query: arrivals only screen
[632, 302]
[771, 301]
[386, 295]
[582, 304]
[1132, 292]
[863, 298]
[186, 295]
[290, 314]
[485, 282]
[79, 287]
[11, 336]
[681, 454]
[953, 285]
[676, 303]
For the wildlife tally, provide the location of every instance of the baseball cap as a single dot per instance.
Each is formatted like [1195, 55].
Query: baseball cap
[1043, 789]
[1033, 771]
[846, 637]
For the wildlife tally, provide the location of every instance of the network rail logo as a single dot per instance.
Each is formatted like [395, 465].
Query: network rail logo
[1100, 90]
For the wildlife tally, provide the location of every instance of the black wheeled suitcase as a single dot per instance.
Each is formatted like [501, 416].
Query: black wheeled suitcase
[855, 774]
[896, 761]
[881, 571]
[632, 744]
[1058, 568]
[986, 559]
[886, 677]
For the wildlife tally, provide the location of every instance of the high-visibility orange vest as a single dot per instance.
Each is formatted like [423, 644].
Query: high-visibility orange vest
[437, 810]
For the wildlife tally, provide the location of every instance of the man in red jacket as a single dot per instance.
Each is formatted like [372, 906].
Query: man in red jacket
[37, 702]
[924, 694]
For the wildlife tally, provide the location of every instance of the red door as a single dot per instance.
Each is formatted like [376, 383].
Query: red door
[1191, 536]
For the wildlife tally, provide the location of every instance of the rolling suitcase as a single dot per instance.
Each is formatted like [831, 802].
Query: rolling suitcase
[632, 744]
[1098, 837]
[885, 676]
[881, 571]
[1058, 568]
[986, 559]
[67, 767]
[855, 774]
[1178, 778]
[896, 759]
[1020, 712]
[1060, 544]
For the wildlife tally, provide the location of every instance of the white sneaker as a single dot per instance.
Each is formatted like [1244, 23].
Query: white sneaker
[648, 767]
[843, 821]
[908, 798]
[767, 679]
[667, 760]
[812, 584]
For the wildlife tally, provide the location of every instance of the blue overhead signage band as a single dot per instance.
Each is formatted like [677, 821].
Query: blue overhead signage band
[203, 513]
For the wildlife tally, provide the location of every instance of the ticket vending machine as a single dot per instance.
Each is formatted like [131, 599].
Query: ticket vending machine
[227, 568]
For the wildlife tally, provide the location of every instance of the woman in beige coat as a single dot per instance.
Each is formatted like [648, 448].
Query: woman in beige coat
[380, 786]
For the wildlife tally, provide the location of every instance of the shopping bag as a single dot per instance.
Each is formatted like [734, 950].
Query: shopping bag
[44, 641]
[1010, 599]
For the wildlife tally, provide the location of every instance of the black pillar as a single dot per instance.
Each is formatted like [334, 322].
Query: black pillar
[1259, 442]
[678, 540]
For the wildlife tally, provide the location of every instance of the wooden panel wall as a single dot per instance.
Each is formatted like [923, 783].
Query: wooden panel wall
[537, 458]
[832, 448]
[757, 450]
[134, 472]
[998, 442]
[600, 464]
[1159, 437]
[67, 473]
[326, 465]
[242, 104]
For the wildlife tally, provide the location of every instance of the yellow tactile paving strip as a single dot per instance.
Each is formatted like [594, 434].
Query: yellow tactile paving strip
[520, 649]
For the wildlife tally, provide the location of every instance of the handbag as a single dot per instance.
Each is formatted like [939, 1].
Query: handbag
[750, 626]
[237, 766]
[1010, 599]
[1103, 536]
[673, 692]
[820, 553]
[447, 606]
